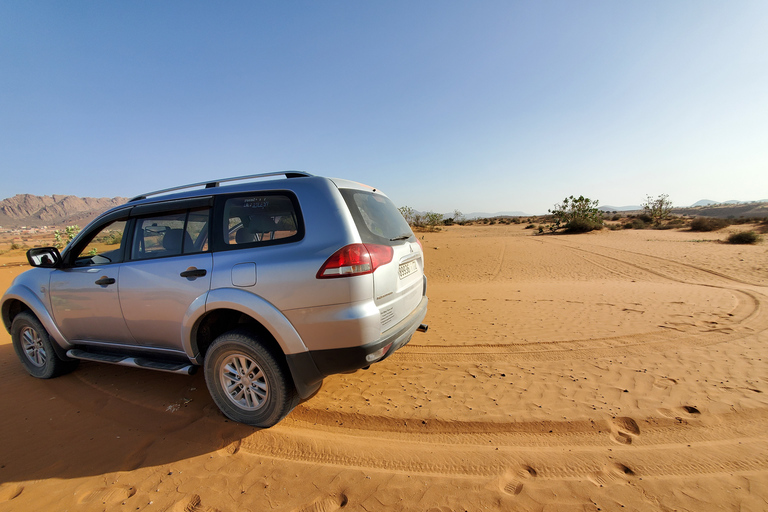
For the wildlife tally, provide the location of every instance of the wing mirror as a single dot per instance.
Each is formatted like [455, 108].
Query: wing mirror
[45, 257]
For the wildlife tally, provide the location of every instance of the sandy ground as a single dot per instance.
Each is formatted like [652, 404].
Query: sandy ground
[619, 370]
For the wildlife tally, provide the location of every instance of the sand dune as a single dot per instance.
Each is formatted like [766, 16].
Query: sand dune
[608, 371]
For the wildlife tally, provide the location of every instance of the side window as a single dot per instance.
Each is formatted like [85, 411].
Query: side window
[259, 219]
[105, 247]
[197, 228]
[157, 236]
[171, 234]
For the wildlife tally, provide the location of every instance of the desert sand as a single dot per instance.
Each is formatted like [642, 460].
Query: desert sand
[614, 370]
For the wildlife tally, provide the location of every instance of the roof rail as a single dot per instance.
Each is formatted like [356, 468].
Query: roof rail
[216, 183]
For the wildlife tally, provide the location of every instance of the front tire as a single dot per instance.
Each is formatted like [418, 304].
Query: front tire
[34, 348]
[247, 382]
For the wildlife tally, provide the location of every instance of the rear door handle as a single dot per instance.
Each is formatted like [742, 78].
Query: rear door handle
[193, 272]
[104, 281]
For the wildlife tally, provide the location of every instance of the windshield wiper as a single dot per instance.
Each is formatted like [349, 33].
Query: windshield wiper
[401, 237]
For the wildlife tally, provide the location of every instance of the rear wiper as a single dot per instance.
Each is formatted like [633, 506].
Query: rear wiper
[401, 237]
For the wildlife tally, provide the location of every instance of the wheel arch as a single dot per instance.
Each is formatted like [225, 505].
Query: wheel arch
[19, 299]
[229, 309]
[241, 307]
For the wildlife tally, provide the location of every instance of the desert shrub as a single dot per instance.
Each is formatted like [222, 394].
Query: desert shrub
[645, 218]
[577, 215]
[744, 237]
[582, 226]
[708, 224]
[15, 246]
[676, 222]
[635, 224]
[69, 232]
[657, 209]
[433, 220]
[614, 227]
[517, 220]
[530, 226]
[408, 214]
[616, 217]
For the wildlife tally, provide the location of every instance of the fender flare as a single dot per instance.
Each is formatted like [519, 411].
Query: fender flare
[247, 303]
[28, 297]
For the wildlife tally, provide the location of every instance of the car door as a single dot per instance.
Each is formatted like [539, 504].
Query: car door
[84, 293]
[168, 269]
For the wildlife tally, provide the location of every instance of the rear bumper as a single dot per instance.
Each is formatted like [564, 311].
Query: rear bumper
[309, 368]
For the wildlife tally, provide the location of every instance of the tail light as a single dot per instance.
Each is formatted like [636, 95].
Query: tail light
[355, 260]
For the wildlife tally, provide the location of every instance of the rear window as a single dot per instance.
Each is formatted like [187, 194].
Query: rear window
[376, 217]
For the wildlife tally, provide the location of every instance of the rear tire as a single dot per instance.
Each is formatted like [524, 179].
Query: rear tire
[34, 348]
[247, 382]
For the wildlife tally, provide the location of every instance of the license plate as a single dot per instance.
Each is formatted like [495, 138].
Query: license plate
[407, 269]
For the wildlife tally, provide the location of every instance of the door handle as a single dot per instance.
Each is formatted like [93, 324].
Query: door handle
[104, 281]
[193, 272]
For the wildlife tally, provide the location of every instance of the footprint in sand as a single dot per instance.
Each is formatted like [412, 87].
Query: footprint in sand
[192, 504]
[325, 504]
[624, 430]
[664, 383]
[108, 495]
[613, 473]
[512, 482]
[10, 492]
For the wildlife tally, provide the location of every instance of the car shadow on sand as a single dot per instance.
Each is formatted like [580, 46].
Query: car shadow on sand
[104, 418]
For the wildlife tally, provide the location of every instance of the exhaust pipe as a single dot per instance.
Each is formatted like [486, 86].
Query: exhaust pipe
[422, 328]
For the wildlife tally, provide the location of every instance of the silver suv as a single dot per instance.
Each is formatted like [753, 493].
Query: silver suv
[270, 283]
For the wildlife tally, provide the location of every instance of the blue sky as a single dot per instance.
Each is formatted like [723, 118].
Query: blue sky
[478, 106]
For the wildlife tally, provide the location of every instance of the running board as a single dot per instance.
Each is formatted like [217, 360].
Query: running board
[136, 362]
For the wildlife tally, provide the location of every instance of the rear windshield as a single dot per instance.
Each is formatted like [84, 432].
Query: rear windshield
[378, 220]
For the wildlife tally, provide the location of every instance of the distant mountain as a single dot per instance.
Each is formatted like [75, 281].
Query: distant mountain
[57, 210]
[620, 208]
[728, 209]
[703, 202]
[483, 215]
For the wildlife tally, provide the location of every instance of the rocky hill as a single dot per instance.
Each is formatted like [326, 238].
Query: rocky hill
[57, 210]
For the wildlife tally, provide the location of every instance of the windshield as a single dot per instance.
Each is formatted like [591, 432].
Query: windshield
[376, 217]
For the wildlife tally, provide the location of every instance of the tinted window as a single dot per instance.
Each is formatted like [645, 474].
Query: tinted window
[376, 217]
[170, 234]
[259, 219]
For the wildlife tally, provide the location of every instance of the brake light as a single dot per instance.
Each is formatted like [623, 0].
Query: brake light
[355, 260]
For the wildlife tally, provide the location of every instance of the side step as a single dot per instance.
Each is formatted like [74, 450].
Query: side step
[136, 362]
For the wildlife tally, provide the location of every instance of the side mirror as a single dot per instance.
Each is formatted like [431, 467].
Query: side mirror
[45, 257]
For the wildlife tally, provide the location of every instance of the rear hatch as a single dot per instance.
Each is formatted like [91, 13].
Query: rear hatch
[398, 285]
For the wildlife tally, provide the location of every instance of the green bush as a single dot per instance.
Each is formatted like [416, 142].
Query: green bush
[577, 215]
[635, 224]
[656, 210]
[530, 226]
[582, 226]
[744, 237]
[645, 218]
[708, 224]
